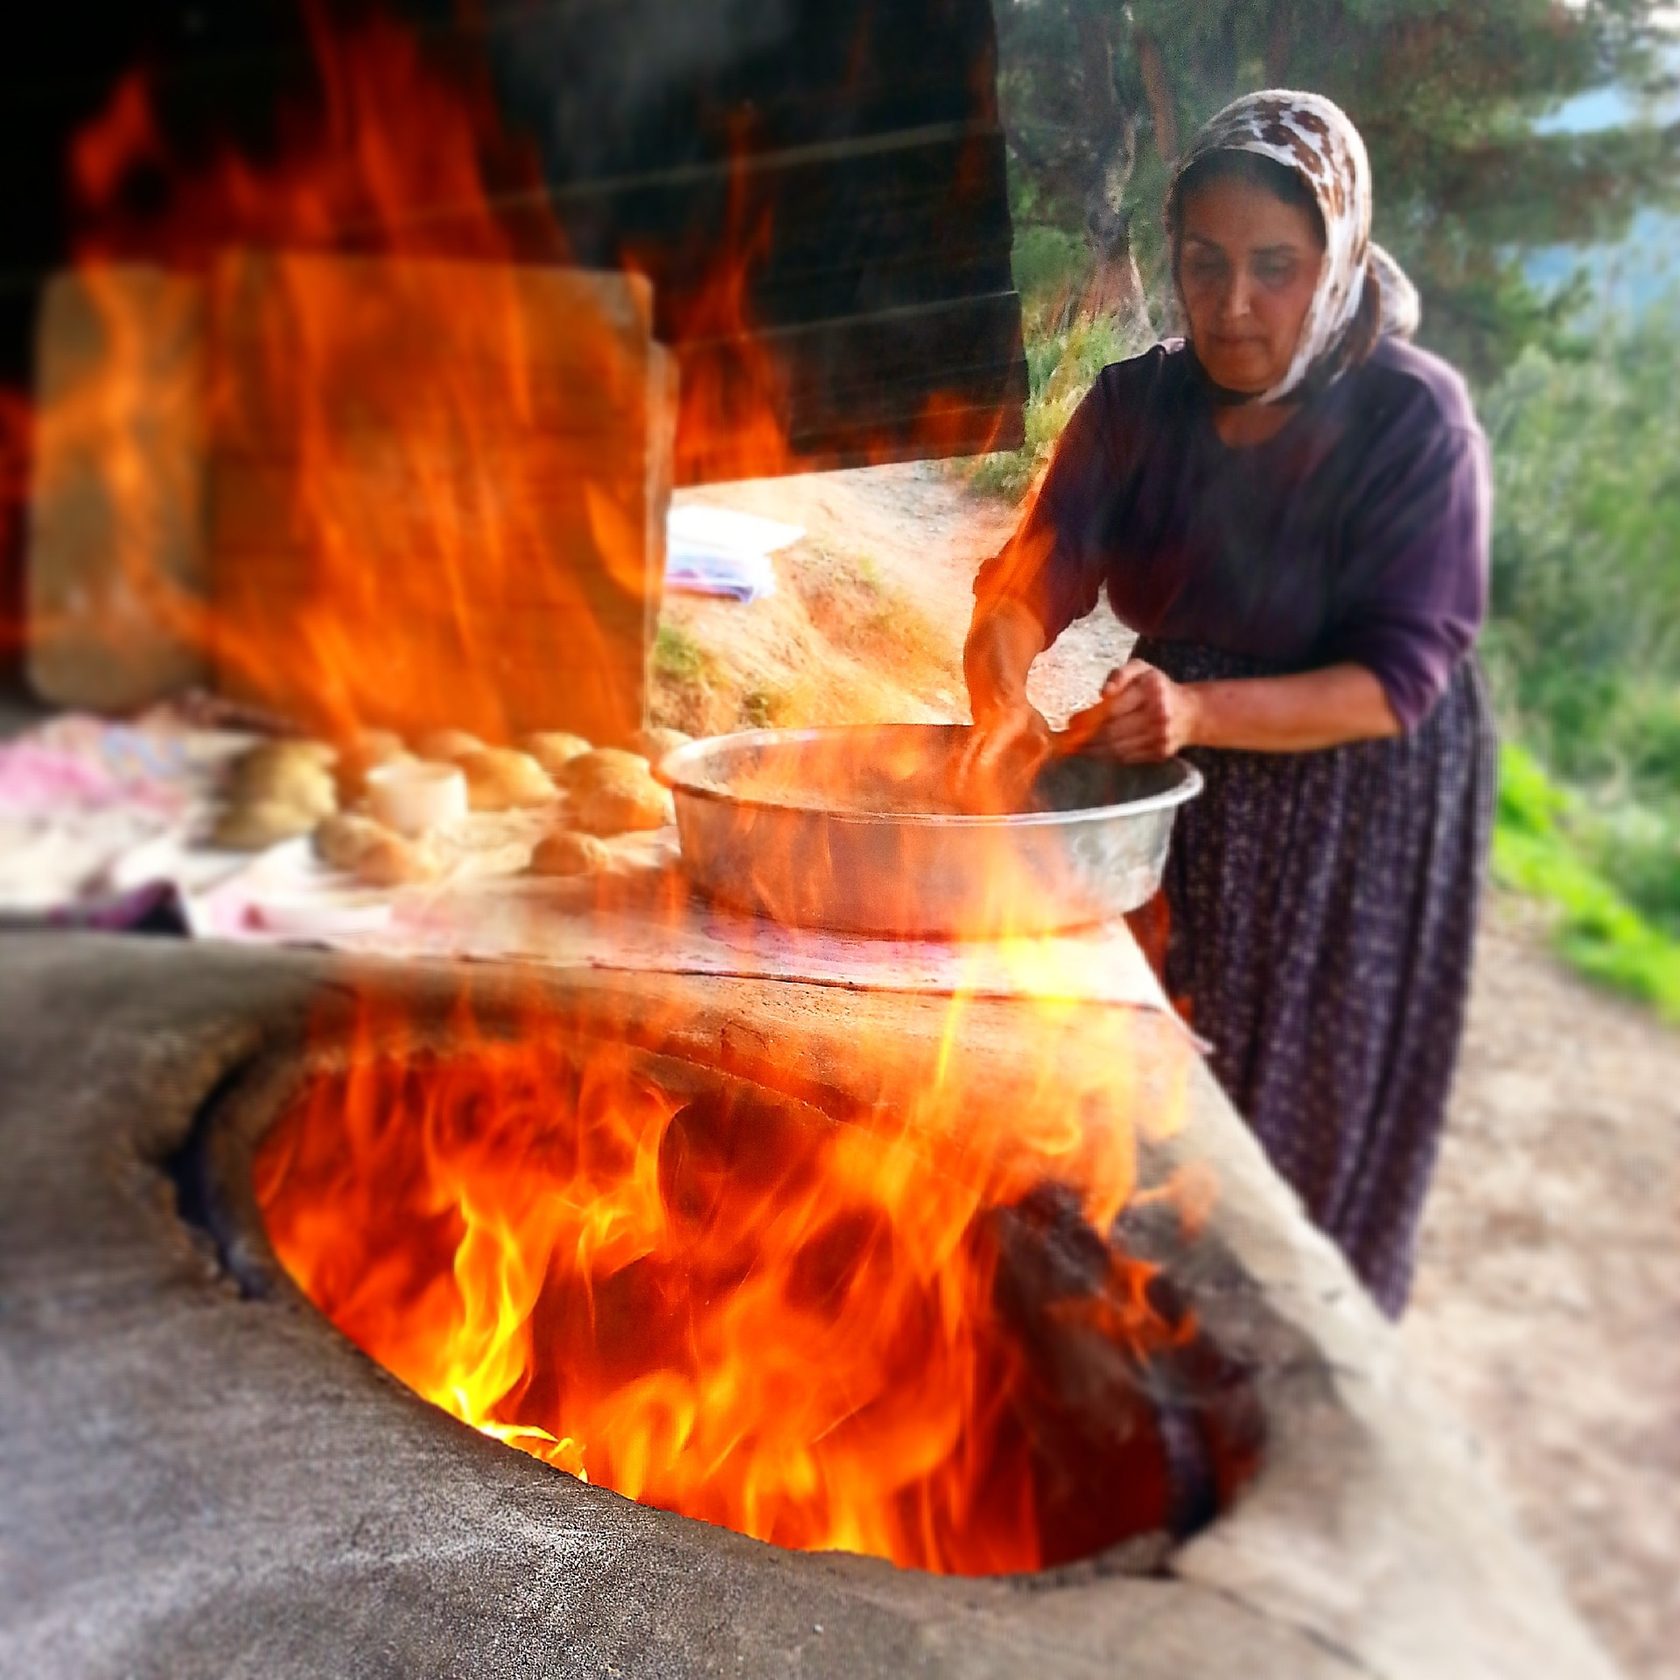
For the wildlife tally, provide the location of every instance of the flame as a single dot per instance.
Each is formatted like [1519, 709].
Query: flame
[428, 486]
[436, 469]
[428, 504]
[720, 1301]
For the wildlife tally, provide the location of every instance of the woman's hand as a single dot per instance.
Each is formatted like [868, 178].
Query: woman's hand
[1009, 746]
[1142, 718]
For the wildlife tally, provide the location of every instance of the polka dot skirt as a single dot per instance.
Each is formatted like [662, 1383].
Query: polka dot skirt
[1322, 914]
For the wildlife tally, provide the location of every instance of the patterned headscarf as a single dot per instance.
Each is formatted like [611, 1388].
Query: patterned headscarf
[1362, 292]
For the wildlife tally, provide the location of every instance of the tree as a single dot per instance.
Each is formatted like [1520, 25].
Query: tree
[1098, 93]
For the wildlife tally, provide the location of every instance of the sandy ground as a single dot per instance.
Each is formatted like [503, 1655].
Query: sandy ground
[1547, 1308]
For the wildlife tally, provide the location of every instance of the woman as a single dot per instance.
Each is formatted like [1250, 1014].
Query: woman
[1291, 508]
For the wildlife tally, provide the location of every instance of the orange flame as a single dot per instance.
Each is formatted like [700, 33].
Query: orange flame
[722, 1302]
[764, 1318]
[429, 490]
[436, 479]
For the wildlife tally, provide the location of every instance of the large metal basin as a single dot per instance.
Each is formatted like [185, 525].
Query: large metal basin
[853, 829]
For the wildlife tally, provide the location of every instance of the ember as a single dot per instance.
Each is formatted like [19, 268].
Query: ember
[829, 1335]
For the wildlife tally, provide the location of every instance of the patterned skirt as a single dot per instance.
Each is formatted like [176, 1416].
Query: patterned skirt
[1322, 914]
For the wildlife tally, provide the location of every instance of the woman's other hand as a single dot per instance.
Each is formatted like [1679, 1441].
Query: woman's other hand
[1009, 746]
[1142, 718]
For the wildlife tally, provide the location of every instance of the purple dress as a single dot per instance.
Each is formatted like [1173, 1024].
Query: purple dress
[1322, 904]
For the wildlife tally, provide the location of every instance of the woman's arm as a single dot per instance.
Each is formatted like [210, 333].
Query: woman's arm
[1003, 641]
[1144, 716]
[1051, 570]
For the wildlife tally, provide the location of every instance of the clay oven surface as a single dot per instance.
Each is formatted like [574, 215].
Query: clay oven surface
[203, 1478]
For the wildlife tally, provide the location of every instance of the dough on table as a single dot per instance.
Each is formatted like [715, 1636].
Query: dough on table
[447, 746]
[340, 839]
[371, 851]
[600, 768]
[253, 825]
[369, 749]
[392, 861]
[620, 801]
[658, 740]
[552, 748]
[567, 853]
[291, 750]
[500, 779]
[285, 773]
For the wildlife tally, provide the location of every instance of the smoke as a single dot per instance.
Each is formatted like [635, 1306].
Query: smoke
[623, 87]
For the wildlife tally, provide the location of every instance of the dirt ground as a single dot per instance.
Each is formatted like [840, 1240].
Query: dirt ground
[1547, 1309]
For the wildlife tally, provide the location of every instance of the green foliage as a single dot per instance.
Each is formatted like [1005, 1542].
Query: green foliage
[677, 657]
[1599, 931]
[1050, 266]
[1585, 637]
[760, 708]
[1060, 369]
[1584, 647]
[1445, 95]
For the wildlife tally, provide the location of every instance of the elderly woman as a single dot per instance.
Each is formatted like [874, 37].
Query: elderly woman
[1291, 508]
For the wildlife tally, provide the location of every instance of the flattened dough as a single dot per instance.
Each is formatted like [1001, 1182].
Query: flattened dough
[341, 839]
[372, 852]
[392, 861]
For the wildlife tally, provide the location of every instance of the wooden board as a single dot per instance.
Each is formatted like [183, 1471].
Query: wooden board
[116, 563]
[438, 492]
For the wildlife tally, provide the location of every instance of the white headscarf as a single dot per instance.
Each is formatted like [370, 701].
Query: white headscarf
[1316, 138]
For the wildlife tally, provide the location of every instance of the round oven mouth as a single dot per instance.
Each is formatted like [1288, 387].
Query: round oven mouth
[823, 1330]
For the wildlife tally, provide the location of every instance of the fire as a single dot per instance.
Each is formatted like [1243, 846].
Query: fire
[435, 469]
[426, 464]
[430, 477]
[723, 1302]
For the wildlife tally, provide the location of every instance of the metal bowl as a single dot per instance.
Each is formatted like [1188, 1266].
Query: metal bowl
[848, 828]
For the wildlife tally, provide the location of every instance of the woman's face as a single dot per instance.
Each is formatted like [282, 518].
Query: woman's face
[1248, 264]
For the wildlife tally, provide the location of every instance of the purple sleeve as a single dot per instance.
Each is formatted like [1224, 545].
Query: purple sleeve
[1415, 592]
[1055, 563]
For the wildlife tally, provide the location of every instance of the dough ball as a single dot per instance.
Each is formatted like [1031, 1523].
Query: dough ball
[253, 825]
[621, 802]
[369, 749]
[500, 779]
[341, 839]
[447, 746]
[269, 756]
[600, 768]
[566, 853]
[656, 742]
[552, 748]
[285, 773]
[388, 860]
